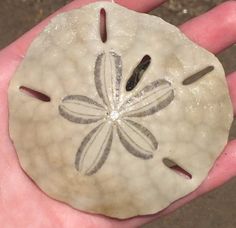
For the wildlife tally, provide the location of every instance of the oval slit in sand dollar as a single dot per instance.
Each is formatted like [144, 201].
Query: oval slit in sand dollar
[138, 73]
[34, 93]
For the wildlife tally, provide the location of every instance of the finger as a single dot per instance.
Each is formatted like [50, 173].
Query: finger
[214, 30]
[142, 5]
[231, 79]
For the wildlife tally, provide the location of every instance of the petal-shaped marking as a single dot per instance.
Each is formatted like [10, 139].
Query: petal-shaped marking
[151, 99]
[81, 109]
[108, 74]
[94, 149]
[137, 139]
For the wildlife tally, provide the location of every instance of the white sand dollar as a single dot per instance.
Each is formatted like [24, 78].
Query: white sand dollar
[100, 124]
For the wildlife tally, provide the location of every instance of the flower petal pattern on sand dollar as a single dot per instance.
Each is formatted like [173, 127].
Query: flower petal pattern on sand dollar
[108, 75]
[137, 139]
[113, 115]
[81, 109]
[151, 99]
[94, 149]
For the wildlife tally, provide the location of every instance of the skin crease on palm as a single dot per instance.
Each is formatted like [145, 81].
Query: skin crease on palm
[22, 204]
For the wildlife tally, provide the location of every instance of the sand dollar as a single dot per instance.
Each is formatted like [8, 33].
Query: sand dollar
[99, 122]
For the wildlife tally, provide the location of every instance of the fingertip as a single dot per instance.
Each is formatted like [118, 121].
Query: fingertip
[216, 29]
[226, 163]
[141, 5]
[231, 148]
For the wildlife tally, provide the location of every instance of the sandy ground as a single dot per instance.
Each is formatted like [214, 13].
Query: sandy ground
[214, 210]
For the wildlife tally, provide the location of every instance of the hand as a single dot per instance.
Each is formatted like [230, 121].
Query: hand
[22, 204]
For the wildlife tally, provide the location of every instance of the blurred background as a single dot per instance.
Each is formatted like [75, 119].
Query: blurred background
[214, 210]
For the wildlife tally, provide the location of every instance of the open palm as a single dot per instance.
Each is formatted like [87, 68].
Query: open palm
[22, 204]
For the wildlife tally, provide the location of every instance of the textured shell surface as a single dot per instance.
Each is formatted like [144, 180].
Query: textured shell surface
[102, 125]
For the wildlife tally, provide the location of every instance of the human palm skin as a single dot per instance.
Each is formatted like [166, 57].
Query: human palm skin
[22, 204]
